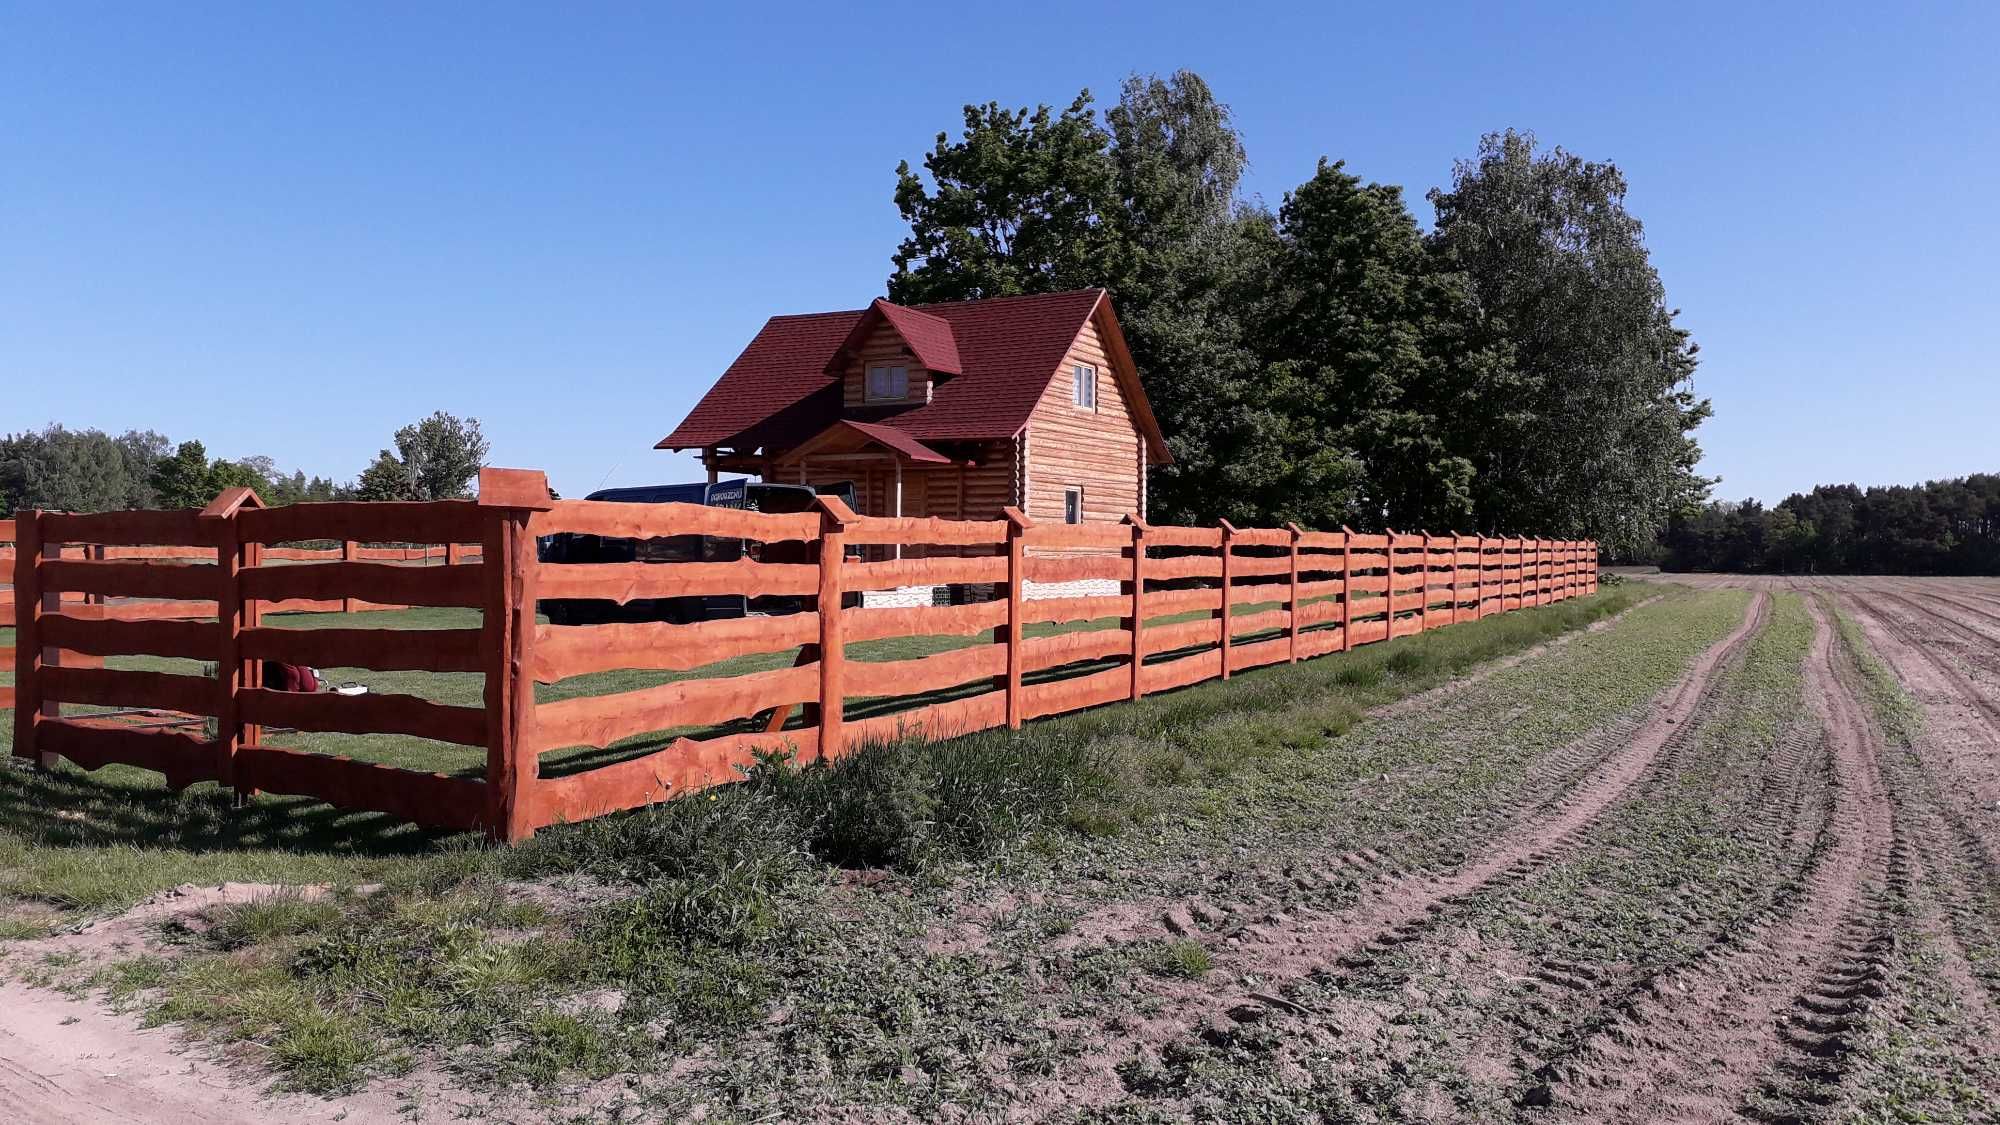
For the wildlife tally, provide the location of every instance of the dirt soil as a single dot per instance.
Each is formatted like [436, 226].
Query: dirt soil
[1751, 892]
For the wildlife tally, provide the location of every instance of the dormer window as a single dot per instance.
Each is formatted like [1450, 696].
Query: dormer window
[1084, 388]
[888, 384]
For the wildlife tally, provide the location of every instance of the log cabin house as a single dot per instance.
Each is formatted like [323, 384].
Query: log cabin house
[953, 410]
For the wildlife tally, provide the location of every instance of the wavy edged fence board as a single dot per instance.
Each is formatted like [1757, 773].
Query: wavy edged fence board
[1076, 536]
[1074, 609]
[1258, 653]
[188, 640]
[1264, 622]
[1076, 692]
[403, 521]
[1040, 653]
[625, 582]
[432, 799]
[374, 713]
[940, 571]
[939, 720]
[861, 624]
[1170, 674]
[1318, 642]
[113, 687]
[1076, 568]
[1248, 566]
[1170, 536]
[1181, 634]
[183, 758]
[651, 521]
[378, 582]
[562, 651]
[383, 650]
[600, 720]
[1166, 603]
[176, 527]
[1184, 566]
[924, 531]
[143, 611]
[925, 673]
[131, 579]
[684, 766]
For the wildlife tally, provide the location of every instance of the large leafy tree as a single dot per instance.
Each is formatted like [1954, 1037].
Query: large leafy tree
[1197, 260]
[1597, 437]
[1366, 360]
[435, 459]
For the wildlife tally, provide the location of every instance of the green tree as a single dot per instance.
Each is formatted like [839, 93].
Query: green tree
[1021, 203]
[443, 455]
[386, 478]
[1198, 261]
[1599, 440]
[1365, 361]
[183, 479]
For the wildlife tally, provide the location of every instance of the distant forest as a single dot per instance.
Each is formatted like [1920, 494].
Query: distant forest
[1940, 527]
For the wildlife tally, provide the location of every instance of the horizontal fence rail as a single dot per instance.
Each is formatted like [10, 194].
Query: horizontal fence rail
[808, 667]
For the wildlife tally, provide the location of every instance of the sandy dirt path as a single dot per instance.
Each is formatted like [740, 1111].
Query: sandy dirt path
[70, 1062]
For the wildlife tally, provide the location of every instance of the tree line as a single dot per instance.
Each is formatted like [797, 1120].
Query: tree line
[60, 469]
[1939, 527]
[1514, 369]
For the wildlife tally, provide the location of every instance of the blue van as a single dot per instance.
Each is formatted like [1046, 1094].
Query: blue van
[573, 547]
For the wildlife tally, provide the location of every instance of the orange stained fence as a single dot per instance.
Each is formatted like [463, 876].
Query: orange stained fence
[1192, 604]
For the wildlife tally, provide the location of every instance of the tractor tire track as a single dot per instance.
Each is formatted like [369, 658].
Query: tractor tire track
[1398, 905]
[1765, 1017]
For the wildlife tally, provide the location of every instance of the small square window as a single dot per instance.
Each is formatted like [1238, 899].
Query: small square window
[1072, 505]
[1084, 387]
[888, 383]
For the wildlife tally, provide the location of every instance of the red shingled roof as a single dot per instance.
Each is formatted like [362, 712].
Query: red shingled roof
[1005, 349]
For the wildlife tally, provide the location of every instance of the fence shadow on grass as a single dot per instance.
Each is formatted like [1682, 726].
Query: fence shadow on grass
[125, 807]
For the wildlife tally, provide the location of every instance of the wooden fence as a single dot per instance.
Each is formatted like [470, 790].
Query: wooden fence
[1196, 603]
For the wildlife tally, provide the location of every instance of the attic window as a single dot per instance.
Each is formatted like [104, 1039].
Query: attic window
[888, 384]
[1084, 388]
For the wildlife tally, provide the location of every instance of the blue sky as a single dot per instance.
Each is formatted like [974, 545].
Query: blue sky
[288, 230]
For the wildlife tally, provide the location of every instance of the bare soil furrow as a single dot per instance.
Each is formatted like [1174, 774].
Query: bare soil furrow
[1394, 910]
[1760, 1024]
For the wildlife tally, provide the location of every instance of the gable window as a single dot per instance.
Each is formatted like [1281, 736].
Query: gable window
[888, 384]
[1072, 505]
[1084, 387]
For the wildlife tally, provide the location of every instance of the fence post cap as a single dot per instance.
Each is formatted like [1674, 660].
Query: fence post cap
[834, 509]
[521, 489]
[1017, 518]
[229, 501]
[1138, 524]
[1227, 527]
[1293, 527]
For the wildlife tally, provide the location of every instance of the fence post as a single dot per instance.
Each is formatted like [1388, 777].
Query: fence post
[834, 516]
[1228, 538]
[1479, 576]
[509, 498]
[1138, 621]
[348, 549]
[1424, 610]
[29, 604]
[1017, 572]
[1346, 588]
[1389, 590]
[1292, 609]
[453, 554]
[232, 614]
